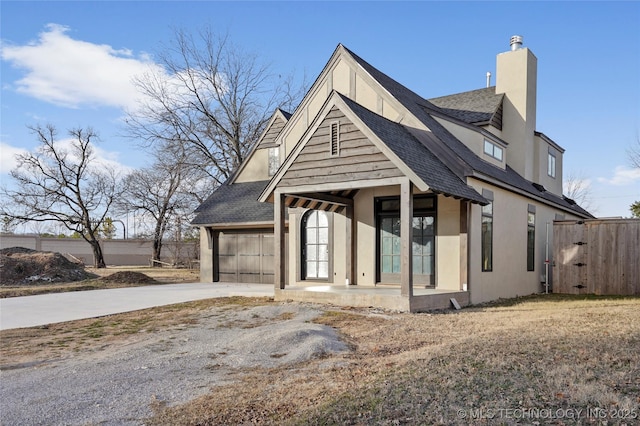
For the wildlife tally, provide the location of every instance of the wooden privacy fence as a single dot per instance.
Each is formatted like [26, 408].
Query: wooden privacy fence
[599, 256]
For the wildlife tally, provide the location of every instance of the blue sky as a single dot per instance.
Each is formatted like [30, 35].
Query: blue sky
[70, 64]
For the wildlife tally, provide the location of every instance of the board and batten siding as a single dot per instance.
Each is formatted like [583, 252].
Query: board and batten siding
[599, 257]
[358, 158]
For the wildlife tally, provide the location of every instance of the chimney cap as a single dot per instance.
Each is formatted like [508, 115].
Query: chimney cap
[516, 42]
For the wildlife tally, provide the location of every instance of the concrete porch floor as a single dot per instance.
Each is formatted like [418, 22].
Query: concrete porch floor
[386, 297]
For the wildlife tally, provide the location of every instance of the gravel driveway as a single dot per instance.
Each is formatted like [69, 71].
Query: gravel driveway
[119, 385]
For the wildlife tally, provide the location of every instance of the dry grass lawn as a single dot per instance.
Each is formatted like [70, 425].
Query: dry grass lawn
[162, 275]
[551, 357]
[468, 367]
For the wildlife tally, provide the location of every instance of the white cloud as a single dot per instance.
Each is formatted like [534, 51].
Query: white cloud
[8, 157]
[622, 176]
[75, 73]
[102, 159]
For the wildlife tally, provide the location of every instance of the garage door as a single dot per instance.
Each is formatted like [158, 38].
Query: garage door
[245, 257]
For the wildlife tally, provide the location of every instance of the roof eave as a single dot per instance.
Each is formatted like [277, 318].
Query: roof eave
[504, 185]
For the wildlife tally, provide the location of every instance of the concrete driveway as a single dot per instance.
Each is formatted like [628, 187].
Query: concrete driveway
[31, 311]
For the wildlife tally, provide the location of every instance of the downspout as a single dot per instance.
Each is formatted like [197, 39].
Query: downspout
[469, 271]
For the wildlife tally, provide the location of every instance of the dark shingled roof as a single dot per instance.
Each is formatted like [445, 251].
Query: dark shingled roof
[235, 203]
[442, 162]
[476, 106]
[472, 164]
[287, 115]
[419, 159]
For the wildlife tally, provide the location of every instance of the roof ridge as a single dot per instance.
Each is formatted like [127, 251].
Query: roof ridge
[467, 91]
[412, 102]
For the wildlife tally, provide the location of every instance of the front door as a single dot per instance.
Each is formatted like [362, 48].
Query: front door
[423, 245]
[315, 251]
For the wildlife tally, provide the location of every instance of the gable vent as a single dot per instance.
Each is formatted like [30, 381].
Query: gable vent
[335, 139]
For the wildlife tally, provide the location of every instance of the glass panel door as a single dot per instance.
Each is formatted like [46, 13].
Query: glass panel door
[390, 250]
[315, 254]
[423, 249]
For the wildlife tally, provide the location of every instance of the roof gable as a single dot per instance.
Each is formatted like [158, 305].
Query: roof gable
[273, 129]
[267, 139]
[392, 146]
[429, 154]
[356, 157]
[451, 151]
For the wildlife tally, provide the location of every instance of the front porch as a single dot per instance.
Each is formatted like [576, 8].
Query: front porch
[385, 246]
[385, 297]
[367, 205]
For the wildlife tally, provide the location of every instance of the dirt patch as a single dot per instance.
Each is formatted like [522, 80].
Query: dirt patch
[153, 358]
[255, 361]
[124, 273]
[129, 277]
[161, 275]
[23, 266]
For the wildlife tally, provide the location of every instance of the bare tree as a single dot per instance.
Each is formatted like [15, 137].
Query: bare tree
[578, 188]
[60, 184]
[107, 230]
[210, 97]
[163, 192]
[8, 225]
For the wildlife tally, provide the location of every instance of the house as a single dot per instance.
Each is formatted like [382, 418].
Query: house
[370, 195]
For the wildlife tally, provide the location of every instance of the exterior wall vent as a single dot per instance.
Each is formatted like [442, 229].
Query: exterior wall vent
[335, 139]
[516, 42]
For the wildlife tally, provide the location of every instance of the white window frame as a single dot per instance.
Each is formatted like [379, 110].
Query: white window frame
[317, 245]
[551, 165]
[273, 166]
[493, 150]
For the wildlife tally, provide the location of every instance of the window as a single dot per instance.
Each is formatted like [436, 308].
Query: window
[389, 240]
[492, 150]
[531, 238]
[315, 245]
[274, 160]
[487, 232]
[335, 139]
[551, 165]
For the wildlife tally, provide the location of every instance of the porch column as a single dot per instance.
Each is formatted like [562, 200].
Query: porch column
[464, 243]
[279, 210]
[351, 245]
[406, 238]
[208, 255]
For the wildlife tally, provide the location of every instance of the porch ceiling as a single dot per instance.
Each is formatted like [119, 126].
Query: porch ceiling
[331, 201]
